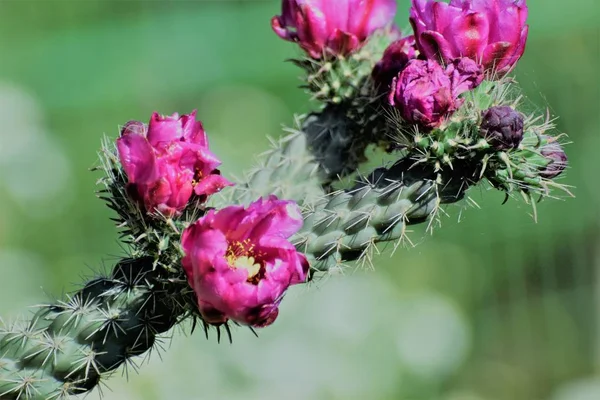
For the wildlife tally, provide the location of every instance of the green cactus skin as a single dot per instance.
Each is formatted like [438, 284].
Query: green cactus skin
[347, 225]
[288, 170]
[342, 78]
[437, 168]
[351, 113]
[337, 142]
[68, 347]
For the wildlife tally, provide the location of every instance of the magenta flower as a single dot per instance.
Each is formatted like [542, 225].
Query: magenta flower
[336, 27]
[394, 59]
[240, 263]
[425, 93]
[490, 32]
[168, 161]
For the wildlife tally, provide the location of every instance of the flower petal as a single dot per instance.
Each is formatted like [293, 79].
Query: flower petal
[202, 246]
[213, 247]
[469, 35]
[211, 185]
[487, 31]
[279, 27]
[278, 218]
[366, 16]
[465, 74]
[164, 129]
[193, 131]
[326, 26]
[495, 54]
[435, 46]
[137, 158]
[340, 42]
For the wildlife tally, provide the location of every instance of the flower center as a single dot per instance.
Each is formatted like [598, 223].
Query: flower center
[241, 255]
[249, 264]
[198, 175]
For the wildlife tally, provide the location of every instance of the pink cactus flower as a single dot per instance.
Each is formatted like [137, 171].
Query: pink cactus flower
[394, 59]
[425, 93]
[490, 32]
[327, 27]
[239, 262]
[167, 162]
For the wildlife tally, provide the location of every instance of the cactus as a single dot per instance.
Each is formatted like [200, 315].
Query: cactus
[342, 79]
[69, 346]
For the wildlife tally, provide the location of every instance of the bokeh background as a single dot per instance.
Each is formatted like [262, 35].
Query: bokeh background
[494, 307]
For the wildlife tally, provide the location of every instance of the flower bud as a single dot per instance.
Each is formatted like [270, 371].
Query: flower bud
[557, 158]
[395, 58]
[425, 93]
[502, 127]
[490, 32]
[332, 27]
[422, 93]
[240, 262]
[465, 74]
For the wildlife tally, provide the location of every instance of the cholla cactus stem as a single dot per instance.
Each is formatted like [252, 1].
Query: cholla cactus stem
[68, 346]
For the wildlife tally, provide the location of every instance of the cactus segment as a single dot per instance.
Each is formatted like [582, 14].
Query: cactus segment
[69, 346]
[340, 79]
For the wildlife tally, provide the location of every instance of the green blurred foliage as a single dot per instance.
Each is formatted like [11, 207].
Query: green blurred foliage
[495, 307]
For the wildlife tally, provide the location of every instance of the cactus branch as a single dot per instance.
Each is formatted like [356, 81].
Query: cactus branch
[346, 225]
[69, 346]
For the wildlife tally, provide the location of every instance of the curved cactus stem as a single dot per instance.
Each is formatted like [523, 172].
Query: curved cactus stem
[345, 225]
[68, 346]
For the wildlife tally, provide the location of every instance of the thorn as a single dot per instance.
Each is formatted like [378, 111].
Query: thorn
[253, 331]
[228, 333]
[205, 327]
[194, 323]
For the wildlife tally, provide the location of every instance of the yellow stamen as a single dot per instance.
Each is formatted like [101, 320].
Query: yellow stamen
[249, 264]
[240, 255]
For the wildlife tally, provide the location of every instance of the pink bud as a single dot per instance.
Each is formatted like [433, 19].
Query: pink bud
[422, 93]
[465, 74]
[336, 27]
[425, 93]
[394, 59]
[490, 32]
[168, 162]
[240, 263]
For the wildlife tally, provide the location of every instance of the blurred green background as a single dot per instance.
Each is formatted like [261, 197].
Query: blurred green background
[496, 307]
